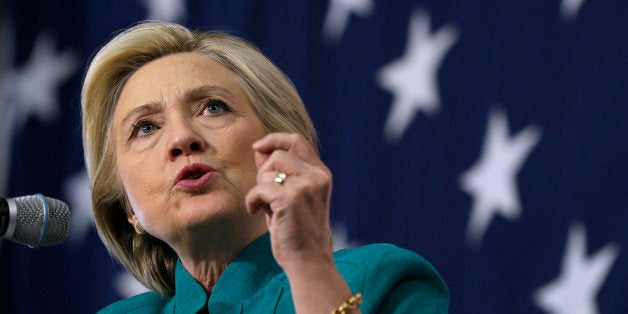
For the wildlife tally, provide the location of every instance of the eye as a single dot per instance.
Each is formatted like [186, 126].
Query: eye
[143, 128]
[215, 106]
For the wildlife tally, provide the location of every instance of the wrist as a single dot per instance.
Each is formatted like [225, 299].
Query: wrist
[307, 265]
[317, 287]
[351, 303]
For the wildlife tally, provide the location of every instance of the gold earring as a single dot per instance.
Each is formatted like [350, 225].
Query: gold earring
[138, 227]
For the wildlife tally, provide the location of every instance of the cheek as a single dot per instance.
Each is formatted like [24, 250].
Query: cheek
[239, 158]
[249, 171]
[140, 184]
[241, 161]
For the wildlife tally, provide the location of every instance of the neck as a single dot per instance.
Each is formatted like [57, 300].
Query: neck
[206, 273]
[207, 256]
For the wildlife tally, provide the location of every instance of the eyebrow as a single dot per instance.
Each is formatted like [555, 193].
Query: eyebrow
[188, 97]
[147, 107]
[202, 91]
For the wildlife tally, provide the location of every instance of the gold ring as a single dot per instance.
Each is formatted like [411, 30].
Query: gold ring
[280, 178]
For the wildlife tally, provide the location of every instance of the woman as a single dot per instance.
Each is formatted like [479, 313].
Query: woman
[207, 186]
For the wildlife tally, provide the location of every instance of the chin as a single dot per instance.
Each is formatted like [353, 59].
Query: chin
[206, 208]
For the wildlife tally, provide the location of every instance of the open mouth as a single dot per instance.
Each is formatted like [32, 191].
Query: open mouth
[194, 176]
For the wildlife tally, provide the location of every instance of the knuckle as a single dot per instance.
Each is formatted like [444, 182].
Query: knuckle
[324, 176]
[271, 161]
[294, 137]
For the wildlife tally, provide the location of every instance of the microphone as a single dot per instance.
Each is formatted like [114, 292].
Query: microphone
[34, 220]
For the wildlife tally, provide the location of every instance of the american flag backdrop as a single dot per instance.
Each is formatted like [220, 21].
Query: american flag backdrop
[491, 137]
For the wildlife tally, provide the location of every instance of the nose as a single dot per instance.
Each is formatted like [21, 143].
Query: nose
[185, 141]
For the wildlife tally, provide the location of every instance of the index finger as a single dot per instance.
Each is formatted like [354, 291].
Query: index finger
[291, 142]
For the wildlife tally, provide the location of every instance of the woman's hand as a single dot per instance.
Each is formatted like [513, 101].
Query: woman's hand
[297, 209]
[297, 214]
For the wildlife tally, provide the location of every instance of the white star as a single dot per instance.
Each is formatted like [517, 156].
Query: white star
[341, 238]
[31, 90]
[77, 190]
[338, 13]
[569, 9]
[491, 181]
[165, 10]
[574, 291]
[412, 79]
[37, 82]
[127, 286]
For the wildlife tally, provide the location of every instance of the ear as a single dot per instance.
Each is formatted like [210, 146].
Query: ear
[131, 219]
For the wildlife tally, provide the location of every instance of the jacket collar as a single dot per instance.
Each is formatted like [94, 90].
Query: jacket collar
[253, 270]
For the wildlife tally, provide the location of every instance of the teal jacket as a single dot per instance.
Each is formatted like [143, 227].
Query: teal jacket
[391, 279]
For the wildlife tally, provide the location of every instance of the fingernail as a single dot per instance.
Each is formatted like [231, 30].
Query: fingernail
[256, 145]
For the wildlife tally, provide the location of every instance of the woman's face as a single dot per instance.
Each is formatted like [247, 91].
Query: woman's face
[183, 131]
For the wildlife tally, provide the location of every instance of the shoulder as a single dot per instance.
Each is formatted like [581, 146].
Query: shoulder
[148, 302]
[377, 251]
[383, 258]
[389, 277]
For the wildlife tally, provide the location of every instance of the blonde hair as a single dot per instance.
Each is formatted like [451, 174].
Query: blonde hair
[272, 94]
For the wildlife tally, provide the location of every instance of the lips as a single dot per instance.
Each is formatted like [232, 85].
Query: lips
[194, 176]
